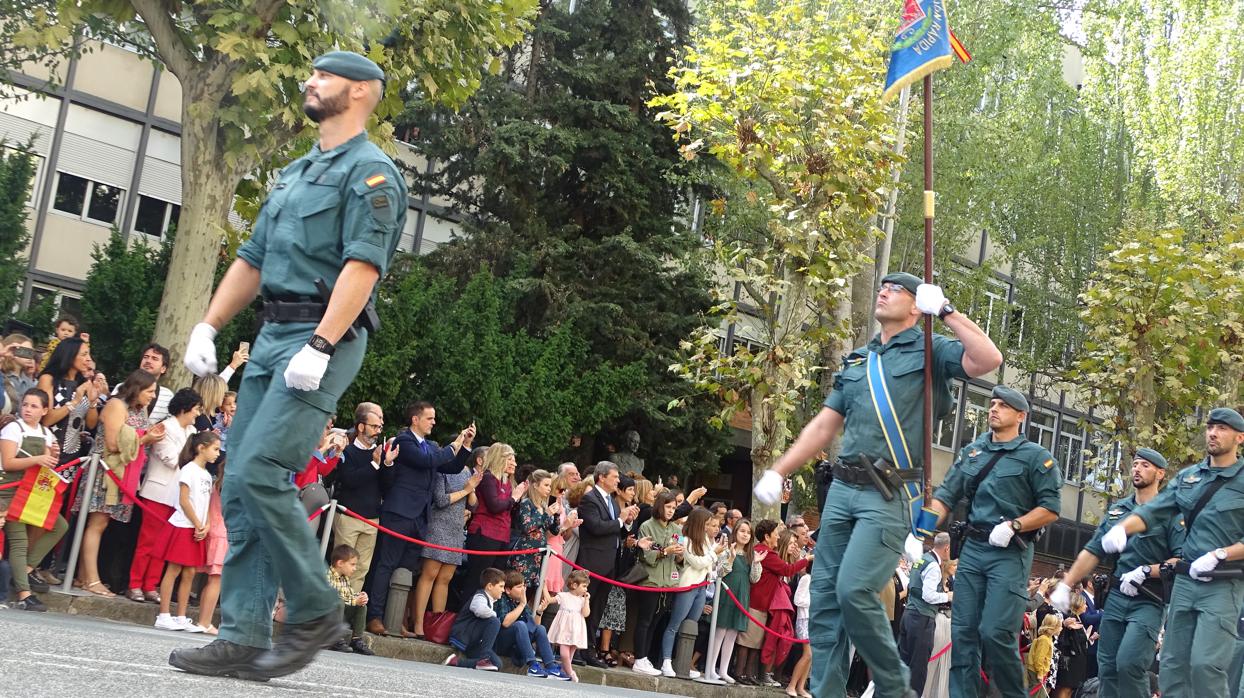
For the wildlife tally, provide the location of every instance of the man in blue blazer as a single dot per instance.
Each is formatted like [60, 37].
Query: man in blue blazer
[408, 496]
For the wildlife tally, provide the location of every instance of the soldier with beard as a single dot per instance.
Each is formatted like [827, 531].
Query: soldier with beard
[1133, 614]
[331, 221]
[1208, 498]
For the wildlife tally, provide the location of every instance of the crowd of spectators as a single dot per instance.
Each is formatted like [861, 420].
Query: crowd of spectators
[157, 527]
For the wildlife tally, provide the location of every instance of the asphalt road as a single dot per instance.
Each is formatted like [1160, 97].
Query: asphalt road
[65, 656]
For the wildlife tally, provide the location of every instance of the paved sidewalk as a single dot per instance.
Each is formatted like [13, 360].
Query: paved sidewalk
[119, 609]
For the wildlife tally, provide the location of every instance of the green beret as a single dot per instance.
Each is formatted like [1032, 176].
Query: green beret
[1226, 416]
[1011, 397]
[348, 64]
[1152, 456]
[902, 278]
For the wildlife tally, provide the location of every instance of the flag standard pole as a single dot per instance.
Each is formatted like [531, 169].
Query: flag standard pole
[929, 205]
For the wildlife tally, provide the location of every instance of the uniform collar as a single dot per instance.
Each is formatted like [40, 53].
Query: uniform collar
[907, 336]
[315, 150]
[1230, 471]
[991, 445]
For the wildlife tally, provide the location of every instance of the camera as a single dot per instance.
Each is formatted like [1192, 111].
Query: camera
[24, 352]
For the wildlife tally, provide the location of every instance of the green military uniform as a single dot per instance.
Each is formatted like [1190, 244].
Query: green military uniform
[1130, 624]
[1201, 619]
[861, 534]
[327, 208]
[991, 583]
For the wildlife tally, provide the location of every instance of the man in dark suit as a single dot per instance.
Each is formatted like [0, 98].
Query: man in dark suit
[604, 527]
[408, 496]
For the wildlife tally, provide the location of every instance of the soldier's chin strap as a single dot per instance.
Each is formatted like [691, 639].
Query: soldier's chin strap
[923, 521]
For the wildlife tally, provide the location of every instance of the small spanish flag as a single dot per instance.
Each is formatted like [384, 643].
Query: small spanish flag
[375, 180]
[960, 52]
[38, 498]
[1048, 463]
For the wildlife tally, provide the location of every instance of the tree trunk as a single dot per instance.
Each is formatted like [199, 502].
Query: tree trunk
[208, 186]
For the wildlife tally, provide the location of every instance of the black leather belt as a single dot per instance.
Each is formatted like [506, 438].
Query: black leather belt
[293, 311]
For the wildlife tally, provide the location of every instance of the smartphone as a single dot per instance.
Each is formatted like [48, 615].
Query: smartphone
[25, 353]
[244, 347]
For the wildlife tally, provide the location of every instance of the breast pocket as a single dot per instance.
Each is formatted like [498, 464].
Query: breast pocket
[320, 211]
[850, 382]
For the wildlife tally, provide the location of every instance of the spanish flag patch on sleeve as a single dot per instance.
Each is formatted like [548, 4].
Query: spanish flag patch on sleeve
[1048, 463]
[375, 180]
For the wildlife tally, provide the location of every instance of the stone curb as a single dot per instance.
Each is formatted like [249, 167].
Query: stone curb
[125, 611]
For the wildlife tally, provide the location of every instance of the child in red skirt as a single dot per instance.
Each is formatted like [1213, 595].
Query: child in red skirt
[184, 539]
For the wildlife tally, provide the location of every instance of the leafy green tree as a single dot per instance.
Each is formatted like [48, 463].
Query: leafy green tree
[1164, 319]
[789, 98]
[464, 349]
[575, 199]
[240, 65]
[17, 171]
[121, 300]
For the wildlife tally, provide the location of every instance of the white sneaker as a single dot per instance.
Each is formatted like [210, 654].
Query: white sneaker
[667, 669]
[643, 666]
[693, 674]
[166, 622]
[195, 628]
[184, 621]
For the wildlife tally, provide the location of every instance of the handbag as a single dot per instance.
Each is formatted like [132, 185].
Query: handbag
[313, 497]
[637, 574]
[436, 626]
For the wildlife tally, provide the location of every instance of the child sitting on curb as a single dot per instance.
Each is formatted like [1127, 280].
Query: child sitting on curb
[476, 626]
[354, 604]
[519, 631]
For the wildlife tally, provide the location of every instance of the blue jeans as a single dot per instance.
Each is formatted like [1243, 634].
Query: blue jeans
[477, 645]
[515, 642]
[686, 604]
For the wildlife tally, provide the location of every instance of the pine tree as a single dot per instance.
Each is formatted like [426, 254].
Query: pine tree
[573, 195]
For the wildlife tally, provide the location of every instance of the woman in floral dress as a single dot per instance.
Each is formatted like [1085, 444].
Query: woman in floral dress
[534, 518]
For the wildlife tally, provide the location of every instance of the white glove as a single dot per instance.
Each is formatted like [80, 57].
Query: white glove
[200, 356]
[1060, 598]
[1131, 582]
[1201, 565]
[912, 548]
[930, 299]
[306, 369]
[1001, 535]
[769, 489]
[1115, 539]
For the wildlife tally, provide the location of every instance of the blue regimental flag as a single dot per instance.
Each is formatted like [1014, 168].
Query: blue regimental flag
[921, 45]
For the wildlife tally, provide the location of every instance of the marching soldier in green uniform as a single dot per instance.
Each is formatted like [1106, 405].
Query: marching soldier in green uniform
[877, 405]
[1012, 487]
[323, 239]
[1201, 618]
[1132, 617]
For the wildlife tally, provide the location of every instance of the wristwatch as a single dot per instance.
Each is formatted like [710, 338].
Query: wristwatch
[1220, 553]
[947, 309]
[321, 345]
[1017, 526]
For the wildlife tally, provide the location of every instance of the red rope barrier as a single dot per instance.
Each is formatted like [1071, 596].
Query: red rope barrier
[58, 469]
[132, 495]
[424, 543]
[940, 652]
[316, 514]
[624, 585]
[763, 627]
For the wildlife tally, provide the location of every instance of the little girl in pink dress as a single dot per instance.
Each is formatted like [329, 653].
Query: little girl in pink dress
[569, 628]
[217, 546]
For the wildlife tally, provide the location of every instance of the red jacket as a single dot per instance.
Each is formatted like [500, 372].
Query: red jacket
[773, 569]
[315, 470]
